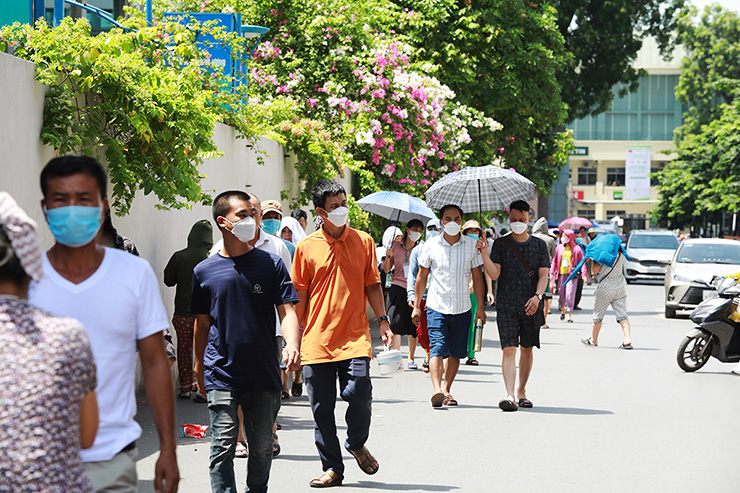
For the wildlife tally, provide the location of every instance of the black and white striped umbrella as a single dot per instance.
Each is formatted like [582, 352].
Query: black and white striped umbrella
[480, 188]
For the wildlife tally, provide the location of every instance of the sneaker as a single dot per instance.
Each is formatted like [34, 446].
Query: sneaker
[412, 365]
[183, 395]
[736, 370]
[199, 399]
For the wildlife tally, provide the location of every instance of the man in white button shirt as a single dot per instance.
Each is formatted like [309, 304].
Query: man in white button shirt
[450, 259]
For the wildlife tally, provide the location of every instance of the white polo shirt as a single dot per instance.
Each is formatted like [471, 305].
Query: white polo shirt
[270, 244]
[449, 273]
[119, 305]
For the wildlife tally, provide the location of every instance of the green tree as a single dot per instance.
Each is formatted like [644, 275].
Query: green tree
[604, 38]
[705, 177]
[501, 57]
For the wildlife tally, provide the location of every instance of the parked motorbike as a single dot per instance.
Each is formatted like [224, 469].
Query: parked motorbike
[718, 328]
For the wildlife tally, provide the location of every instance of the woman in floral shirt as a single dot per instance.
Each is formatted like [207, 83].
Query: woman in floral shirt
[48, 410]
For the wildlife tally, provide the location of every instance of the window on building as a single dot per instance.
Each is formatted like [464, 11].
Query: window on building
[654, 181]
[615, 177]
[586, 176]
[589, 214]
[611, 214]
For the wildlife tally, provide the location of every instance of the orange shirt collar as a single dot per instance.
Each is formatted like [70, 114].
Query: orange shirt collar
[330, 239]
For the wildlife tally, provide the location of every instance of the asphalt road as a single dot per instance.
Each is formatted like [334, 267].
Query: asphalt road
[604, 419]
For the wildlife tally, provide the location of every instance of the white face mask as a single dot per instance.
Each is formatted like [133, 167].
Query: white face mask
[518, 227]
[431, 233]
[452, 228]
[244, 230]
[414, 236]
[338, 217]
[563, 240]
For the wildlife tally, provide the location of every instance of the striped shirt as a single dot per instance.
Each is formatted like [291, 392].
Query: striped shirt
[450, 268]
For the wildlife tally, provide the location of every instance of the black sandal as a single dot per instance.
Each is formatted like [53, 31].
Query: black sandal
[472, 361]
[297, 389]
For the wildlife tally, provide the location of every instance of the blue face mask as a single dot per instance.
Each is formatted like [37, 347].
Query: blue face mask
[578, 241]
[473, 236]
[271, 226]
[74, 225]
[431, 233]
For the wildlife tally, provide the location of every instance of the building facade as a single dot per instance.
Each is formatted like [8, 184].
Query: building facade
[608, 174]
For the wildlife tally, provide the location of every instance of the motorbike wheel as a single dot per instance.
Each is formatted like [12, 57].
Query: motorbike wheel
[692, 354]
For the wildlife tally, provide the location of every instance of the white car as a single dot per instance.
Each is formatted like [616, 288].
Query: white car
[695, 263]
[649, 252]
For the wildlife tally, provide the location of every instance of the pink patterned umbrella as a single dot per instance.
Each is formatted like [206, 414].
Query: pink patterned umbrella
[575, 223]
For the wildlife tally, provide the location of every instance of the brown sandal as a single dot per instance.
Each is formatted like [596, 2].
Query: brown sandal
[365, 465]
[327, 479]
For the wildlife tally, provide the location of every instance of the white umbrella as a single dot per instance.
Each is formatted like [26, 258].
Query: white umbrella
[480, 188]
[397, 206]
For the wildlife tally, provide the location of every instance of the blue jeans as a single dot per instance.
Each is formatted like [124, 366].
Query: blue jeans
[260, 410]
[355, 388]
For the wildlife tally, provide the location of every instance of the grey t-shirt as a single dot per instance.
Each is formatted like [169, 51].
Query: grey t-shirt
[514, 284]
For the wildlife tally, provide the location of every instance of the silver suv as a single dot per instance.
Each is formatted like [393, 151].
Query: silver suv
[650, 252]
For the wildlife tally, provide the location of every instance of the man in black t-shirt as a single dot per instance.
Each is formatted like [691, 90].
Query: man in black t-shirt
[520, 263]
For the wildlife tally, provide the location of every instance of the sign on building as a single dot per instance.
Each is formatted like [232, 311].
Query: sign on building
[618, 195]
[577, 194]
[579, 151]
[637, 173]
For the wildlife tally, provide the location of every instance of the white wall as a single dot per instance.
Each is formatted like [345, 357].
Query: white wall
[157, 234]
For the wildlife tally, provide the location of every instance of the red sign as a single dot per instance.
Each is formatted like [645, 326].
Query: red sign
[577, 194]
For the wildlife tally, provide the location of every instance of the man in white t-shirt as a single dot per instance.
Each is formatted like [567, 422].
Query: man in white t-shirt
[116, 297]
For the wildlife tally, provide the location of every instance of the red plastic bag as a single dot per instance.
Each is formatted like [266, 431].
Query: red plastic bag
[194, 431]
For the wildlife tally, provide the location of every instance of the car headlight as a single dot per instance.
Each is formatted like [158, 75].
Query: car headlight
[676, 277]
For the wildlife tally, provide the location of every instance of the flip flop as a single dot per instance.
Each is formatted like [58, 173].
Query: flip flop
[327, 479]
[525, 403]
[472, 362]
[366, 464]
[507, 405]
[438, 399]
[625, 346]
[588, 342]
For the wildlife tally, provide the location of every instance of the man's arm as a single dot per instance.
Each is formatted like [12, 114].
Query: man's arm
[301, 306]
[160, 394]
[532, 303]
[200, 340]
[493, 270]
[375, 296]
[478, 287]
[421, 283]
[291, 333]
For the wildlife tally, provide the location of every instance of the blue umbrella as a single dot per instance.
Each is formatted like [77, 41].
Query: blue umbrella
[551, 224]
[397, 206]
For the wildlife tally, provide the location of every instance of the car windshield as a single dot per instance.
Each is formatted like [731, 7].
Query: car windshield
[662, 242]
[703, 253]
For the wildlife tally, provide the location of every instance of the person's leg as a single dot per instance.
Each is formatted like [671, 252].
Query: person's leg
[562, 304]
[222, 407]
[396, 344]
[595, 330]
[458, 327]
[438, 333]
[321, 387]
[356, 389]
[570, 297]
[508, 369]
[184, 327]
[260, 411]
[526, 360]
[412, 348]
[548, 305]
[620, 307]
[240, 435]
[115, 475]
[579, 291]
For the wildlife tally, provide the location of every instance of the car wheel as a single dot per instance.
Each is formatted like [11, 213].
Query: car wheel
[670, 312]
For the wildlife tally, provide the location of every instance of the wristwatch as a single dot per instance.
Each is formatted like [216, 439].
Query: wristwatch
[539, 296]
[384, 318]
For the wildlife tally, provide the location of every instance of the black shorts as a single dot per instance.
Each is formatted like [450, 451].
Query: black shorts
[518, 328]
[399, 312]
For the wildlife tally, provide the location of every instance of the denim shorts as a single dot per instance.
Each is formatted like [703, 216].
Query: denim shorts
[448, 334]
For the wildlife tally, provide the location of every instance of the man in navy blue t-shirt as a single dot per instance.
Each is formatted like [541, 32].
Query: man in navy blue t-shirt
[235, 294]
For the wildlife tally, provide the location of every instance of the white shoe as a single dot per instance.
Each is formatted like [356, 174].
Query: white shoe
[736, 370]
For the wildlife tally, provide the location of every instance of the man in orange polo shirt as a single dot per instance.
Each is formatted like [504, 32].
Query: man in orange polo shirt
[335, 271]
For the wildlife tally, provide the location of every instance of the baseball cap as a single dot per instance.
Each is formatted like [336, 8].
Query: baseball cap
[272, 205]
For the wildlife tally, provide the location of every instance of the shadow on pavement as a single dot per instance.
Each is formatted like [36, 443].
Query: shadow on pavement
[374, 485]
[566, 410]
